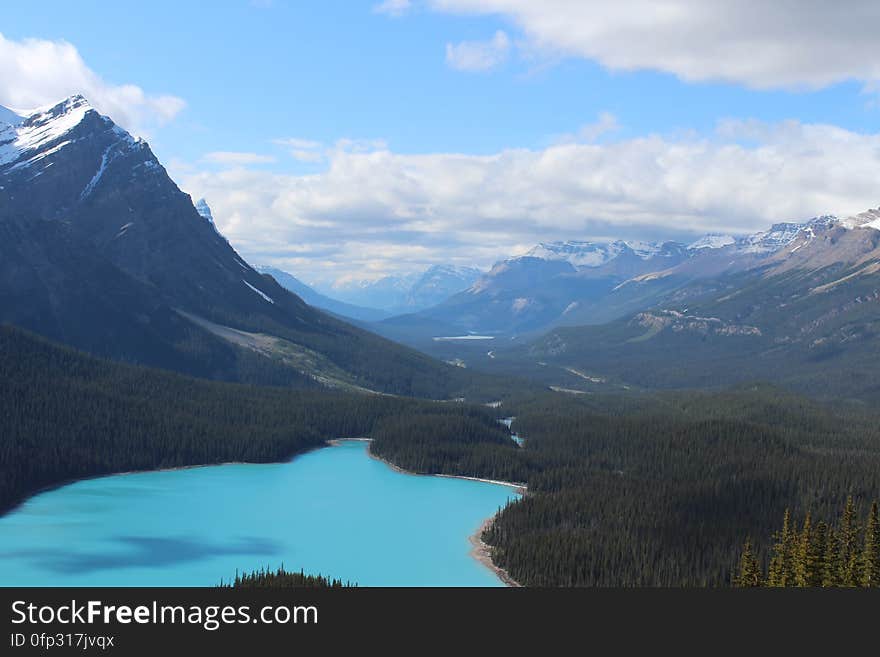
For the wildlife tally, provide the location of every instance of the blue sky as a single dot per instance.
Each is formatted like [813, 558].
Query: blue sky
[471, 78]
[251, 73]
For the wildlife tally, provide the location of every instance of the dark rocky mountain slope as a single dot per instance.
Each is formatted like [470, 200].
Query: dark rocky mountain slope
[100, 249]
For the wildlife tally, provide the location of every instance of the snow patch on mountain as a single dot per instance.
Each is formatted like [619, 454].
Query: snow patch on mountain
[262, 294]
[105, 159]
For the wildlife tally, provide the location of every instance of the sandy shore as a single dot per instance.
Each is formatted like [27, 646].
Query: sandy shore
[483, 553]
[517, 486]
[479, 549]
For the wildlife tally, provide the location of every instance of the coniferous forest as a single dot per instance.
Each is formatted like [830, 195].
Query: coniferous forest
[629, 489]
[653, 490]
[283, 579]
[65, 415]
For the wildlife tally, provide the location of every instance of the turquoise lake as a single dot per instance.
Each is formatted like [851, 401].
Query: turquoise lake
[333, 511]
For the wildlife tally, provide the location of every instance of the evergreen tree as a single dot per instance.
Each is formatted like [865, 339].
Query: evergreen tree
[870, 564]
[848, 548]
[781, 570]
[808, 554]
[830, 561]
[818, 550]
[749, 571]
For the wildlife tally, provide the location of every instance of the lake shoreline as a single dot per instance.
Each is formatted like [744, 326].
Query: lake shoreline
[173, 468]
[480, 550]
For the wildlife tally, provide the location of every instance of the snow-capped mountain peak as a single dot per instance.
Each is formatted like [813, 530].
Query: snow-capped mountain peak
[204, 210]
[33, 141]
[645, 250]
[712, 241]
[868, 219]
[769, 240]
[763, 242]
[37, 133]
[781, 235]
[578, 253]
[584, 254]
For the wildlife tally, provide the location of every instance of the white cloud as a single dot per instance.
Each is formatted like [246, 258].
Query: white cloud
[303, 150]
[393, 8]
[605, 124]
[808, 44]
[236, 158]
[36, 72]
[379, 211]
[297, 143]
[479, 56]
[306, 155]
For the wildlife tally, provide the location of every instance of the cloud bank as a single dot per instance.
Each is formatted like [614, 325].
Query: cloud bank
[36, 72]
[784, 44]
[373, 211]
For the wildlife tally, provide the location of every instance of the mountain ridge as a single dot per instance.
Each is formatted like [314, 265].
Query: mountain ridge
[807, 316]
[93, 222]
[581, 282]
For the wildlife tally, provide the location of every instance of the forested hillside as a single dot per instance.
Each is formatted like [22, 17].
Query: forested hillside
[628, 490]
[811, 330]
[654, 490]
[66, 415]
[431, 442]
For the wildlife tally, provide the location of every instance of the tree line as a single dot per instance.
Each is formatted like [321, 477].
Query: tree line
[283, 579]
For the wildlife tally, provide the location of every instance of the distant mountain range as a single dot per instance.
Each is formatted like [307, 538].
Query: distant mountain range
[807, 315]
[407, 293]
[577, 282]
[797, 304]
[99, 249]
[318, 300]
